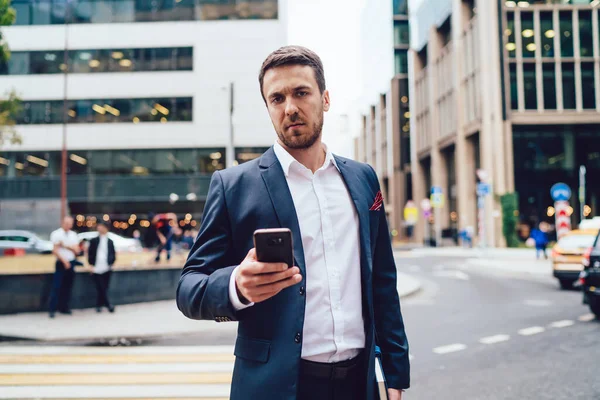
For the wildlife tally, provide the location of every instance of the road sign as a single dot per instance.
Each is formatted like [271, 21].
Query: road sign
[482, 175]
[411, 213]
[436, 190]
[562, 217]
[426, 205]
[484, 189]
[437, 200]
[560, 192]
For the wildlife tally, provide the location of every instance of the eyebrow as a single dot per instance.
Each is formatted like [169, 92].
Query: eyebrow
[297, 88]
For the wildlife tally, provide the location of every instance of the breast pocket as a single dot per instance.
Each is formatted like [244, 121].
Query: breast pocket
[252, 349]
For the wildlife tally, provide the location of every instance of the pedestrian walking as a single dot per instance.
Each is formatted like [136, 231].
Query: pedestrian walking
[66, 249]
[307, 331]
[164, 231]
[101, 257]
[540, 237]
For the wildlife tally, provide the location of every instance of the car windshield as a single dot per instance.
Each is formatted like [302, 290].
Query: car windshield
[574, 242]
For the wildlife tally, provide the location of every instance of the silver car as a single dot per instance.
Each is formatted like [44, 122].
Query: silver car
[29, 241]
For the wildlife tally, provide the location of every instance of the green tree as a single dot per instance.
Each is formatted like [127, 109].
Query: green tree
[11, 105]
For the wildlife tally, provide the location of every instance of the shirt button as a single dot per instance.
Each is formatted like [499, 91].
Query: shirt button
[297, 338]
[302, 291]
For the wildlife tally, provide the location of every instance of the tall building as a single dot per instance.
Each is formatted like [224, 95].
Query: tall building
[384, 140]
[512, 90]
[158, 95]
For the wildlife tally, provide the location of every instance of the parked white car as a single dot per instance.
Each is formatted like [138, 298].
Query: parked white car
[122, 244]
[29, 241]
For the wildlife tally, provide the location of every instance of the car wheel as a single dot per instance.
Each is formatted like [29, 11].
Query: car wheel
[594, 302]
[566, 284]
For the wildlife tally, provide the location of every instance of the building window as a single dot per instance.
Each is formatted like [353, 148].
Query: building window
[514, 94]
[107, 110]
[568, 82]
[587, 84]
[527, 35]
[529, 86]
[586, 40]
[99, 60]
[401, 33]
[400, 7]
[401, 61]
[510, 34]
[246, 154]
[547, 34]
[549, 74]
[566, 33]
[46, 12]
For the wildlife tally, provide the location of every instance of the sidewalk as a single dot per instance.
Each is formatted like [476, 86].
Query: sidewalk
[131, 321]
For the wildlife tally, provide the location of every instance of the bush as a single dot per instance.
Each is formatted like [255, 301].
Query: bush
[510, 208]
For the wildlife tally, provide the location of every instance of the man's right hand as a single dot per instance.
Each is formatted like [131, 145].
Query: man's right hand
[67, 264]
[257, 281]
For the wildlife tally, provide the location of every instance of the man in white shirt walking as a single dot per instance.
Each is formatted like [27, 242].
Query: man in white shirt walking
[66, 250]
[306, 332]
[101, 257]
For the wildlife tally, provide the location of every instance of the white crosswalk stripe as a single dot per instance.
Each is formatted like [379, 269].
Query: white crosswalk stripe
[200, 372]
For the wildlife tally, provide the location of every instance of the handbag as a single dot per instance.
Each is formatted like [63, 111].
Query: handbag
[380, 381]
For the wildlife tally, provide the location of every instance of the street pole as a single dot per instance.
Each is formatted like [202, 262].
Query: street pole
[63, 168]
[230, 156]
[582, 173]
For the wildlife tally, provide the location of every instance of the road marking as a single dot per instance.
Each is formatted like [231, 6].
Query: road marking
[414, 268]
[451, 348]
[171, 350]
[562, 324]
[587, 317]
[114, 379]
[534, 330]
[438, 268]
[452, 274]
[537, 303]
[114, 359]
[204, 392]
[113, 368]
[494, 339]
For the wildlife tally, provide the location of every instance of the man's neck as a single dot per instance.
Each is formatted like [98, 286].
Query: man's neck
[312, 158]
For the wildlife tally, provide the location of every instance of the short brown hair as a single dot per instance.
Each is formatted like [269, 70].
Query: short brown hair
[293, 55]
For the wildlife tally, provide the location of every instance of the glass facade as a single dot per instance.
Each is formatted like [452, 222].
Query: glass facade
[107, 110]
[510, 35]
[245, 154]
[545, 155]
[400, 7]
[587, 83]
[549, 82]
[528, 41]
[401, 33]
[99, 60]
[568, 84]
[47, 12]
[566, 33]
[514, 93]
[131, 162]
[547, 34]
[529, 86]
[586, 36]
[401, 61]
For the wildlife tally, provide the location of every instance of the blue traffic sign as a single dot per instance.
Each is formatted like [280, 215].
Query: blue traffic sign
[436, 190]
[484, 189]
[560, 192]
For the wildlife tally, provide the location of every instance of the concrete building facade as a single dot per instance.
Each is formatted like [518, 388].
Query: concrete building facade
[384, 139]
[509, 89]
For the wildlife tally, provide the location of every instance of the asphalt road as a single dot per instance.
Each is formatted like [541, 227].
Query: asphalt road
[481, 334]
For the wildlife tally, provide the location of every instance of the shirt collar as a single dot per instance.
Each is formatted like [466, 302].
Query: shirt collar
[287, 160]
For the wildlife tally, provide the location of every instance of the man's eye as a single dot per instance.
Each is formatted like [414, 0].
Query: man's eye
[302, 94]
[276, 99]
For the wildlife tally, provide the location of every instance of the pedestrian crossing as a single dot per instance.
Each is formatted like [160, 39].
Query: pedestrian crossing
[173, 372]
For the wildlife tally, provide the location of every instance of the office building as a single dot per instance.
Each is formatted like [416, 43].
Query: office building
[158, 96]
[509, 89]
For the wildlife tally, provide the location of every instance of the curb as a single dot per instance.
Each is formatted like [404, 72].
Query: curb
[409, 286]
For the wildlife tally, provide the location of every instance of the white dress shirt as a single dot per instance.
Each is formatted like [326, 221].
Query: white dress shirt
[65, 239]
[333, 323]
[102, 256]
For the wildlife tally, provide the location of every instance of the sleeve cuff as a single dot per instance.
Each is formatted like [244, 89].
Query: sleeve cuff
[233, 296]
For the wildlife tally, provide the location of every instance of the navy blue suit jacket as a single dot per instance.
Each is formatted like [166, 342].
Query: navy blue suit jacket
[256, 195]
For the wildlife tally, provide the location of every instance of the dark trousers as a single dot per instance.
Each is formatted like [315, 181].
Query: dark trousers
[351, 387]
[102, 281]
[62, 286]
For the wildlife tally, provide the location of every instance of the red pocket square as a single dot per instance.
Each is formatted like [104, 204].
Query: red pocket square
[377, 203]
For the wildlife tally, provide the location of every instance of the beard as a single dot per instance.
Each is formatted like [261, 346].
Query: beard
[302, 141]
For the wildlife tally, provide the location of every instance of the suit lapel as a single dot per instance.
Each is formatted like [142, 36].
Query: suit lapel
[357, 192]
[281, 198]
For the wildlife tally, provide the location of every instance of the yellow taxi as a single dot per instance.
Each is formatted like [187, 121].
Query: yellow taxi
[567, 255]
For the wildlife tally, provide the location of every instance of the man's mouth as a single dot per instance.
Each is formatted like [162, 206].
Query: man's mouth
[294, 125]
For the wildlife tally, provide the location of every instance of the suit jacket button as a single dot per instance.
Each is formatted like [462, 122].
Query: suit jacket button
[297, 338]
[302, 291]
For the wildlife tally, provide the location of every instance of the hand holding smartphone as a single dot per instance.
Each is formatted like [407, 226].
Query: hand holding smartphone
[268, 267]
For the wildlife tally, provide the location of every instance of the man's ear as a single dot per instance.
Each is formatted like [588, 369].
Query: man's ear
[326, 100]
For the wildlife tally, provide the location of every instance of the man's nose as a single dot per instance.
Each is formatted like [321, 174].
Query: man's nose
[291, 108]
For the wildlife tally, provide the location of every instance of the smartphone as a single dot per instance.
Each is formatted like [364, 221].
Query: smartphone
[274, 246]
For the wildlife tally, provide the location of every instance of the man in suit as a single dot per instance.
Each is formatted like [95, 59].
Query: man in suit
[101, 257]
[306, 332]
